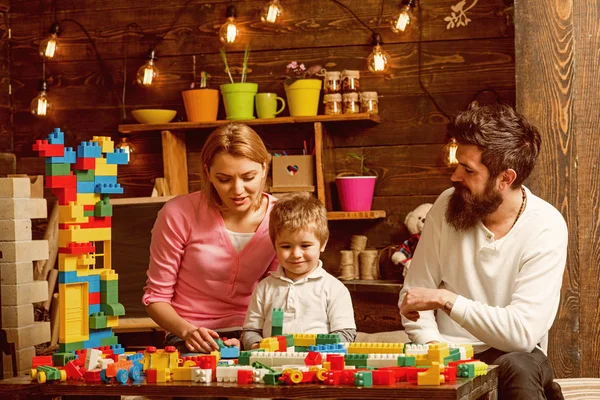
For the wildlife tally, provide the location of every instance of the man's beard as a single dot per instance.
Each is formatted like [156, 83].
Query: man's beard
[465, 209]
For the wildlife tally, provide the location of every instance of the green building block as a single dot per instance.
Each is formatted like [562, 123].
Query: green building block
[107, 341]
[98, 320]
[331, 338]
[113, 310]
[276, 331]
[244, 358]
[272, 379]
[220, 343]
[289, 340]
[465, 370]
[58, 169]
[61, 359]
[103, 208]
[85, 175]
[69, 347]
[88, 213]
[109, 291]
[358, 360]
[301, 349]
[363, 378]
[407, 361]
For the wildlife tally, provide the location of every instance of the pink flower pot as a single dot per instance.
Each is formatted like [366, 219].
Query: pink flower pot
[355, 192]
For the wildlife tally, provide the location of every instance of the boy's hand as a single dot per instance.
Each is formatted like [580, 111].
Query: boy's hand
[202, 340]
[232, 342]
[254, 346]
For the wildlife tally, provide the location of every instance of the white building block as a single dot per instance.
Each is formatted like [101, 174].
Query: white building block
[15, 187]
[92, 357]
[23, 208]
[24, 293]
[30, 335]
[15, 229]
[16, 316]
[23, 251]
[14, 273]
[201, 375]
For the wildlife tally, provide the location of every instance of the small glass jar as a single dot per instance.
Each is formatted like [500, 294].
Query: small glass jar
[350, 80]
[333, 82]
[333, 104]
[369, 103]
[351, 103]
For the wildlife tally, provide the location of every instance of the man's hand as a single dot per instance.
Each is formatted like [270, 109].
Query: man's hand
[232, 342]
[422, 299]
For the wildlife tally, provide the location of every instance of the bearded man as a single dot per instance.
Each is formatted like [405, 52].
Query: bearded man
[489, 265]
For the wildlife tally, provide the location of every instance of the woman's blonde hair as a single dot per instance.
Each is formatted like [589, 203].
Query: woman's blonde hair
[299, 211]
[238, 140]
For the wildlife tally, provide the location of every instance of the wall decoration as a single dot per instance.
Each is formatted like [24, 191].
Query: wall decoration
[458, 17]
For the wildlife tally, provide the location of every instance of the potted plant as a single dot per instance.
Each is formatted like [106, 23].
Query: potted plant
[356, 190]
[302, 90]
[238, 98]
[201, 103]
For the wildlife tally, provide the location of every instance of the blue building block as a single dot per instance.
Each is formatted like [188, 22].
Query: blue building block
[103, 179]
[328, 348]
[119, 157]
[71, 277]
[69, 157]
[108, 188]
[95, 336]
[118, 349]
[230, 352]
[86, 187]
[94, 308]
[89, 150]
[56, 137]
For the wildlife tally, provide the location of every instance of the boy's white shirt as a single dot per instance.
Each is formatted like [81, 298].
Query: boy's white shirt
[317, 303]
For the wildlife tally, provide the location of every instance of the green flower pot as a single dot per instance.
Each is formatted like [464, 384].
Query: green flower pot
[238, 99]
[303, 97]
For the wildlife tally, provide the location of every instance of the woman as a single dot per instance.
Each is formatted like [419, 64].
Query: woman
[210, 248]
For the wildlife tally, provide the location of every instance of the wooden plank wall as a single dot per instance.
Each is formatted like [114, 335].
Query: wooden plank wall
[559, 91]
[456, 65]
[7, 158]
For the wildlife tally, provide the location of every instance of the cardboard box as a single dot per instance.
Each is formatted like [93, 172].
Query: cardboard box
[293, 171]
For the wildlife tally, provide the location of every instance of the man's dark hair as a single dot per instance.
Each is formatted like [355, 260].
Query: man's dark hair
[505, 138]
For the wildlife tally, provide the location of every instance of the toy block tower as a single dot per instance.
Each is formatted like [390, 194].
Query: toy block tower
[83, 180]
[18, 289]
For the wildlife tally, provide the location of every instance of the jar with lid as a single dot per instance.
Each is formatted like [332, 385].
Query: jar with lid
[351, 103]
[333, 82]
[369, 103]
[333, 104]
[350, 80]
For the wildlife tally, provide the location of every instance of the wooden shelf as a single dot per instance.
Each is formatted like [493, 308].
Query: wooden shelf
[139, 200]
[343, 215]
[374, 286]
[136, 325]
[178, 126]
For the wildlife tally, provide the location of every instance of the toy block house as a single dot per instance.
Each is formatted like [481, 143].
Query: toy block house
[18, 289]
[82, 180]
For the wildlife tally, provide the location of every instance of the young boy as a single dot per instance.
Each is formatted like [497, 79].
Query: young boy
[313, 301]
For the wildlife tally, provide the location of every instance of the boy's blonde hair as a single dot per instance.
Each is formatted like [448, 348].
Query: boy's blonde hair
[238, 140]
[297, 211]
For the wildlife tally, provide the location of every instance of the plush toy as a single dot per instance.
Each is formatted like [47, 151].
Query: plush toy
[414, 221]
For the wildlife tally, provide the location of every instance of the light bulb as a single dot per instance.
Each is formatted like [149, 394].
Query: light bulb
[449, 153]
[49, 45]
[379, 59]
[405, 18]
[126, 147]
[229, 31]
[148, 72]
[271, 11]
[40, 104]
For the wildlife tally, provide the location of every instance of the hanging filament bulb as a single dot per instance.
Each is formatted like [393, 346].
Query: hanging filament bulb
[271, 12]
[126, 147]
[40, 106]
[449, 153]
[49, 45]
[148, 72]
[379, 59]
[229, 31]
[405, 18]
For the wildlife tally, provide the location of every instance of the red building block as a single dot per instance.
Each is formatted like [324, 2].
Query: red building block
[92, 376]
[41, 360]
[97, 222]
[151, 375]
[62, 181]
[74, 371]
[450, 373]
[77, 248]
[347, 377]
[313, 358]
[384, 377]
[336, 361]
[46, 149]
[244, 376]
[282, 343]
[85, 163]
[65, 195]
[332, 378]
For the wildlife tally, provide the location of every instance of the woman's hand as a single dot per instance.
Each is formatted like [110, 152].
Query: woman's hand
[202, 340]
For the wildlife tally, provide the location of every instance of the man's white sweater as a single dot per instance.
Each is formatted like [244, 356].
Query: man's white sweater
[509, 289]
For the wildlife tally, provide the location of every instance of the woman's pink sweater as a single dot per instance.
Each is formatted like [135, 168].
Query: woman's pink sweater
[194, 267]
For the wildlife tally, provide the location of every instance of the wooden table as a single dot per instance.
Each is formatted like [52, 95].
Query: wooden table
[464, 389]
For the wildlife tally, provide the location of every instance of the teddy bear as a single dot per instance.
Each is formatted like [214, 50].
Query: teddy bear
[414, 221]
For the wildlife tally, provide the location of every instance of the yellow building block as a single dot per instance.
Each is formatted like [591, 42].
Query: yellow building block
[73, 302]
[305, 339]
[112, 321]
[468, 350]
[160, 359]
[82, 235]
[422, 360]
[438, 351]
[85, 261]
[104, 169]
[88, 199]
[375, 348]
[73, 213]
[105, 142]
[269, 344]
[217, 355]
[181, 373]
[432, 377]
[109, 275]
